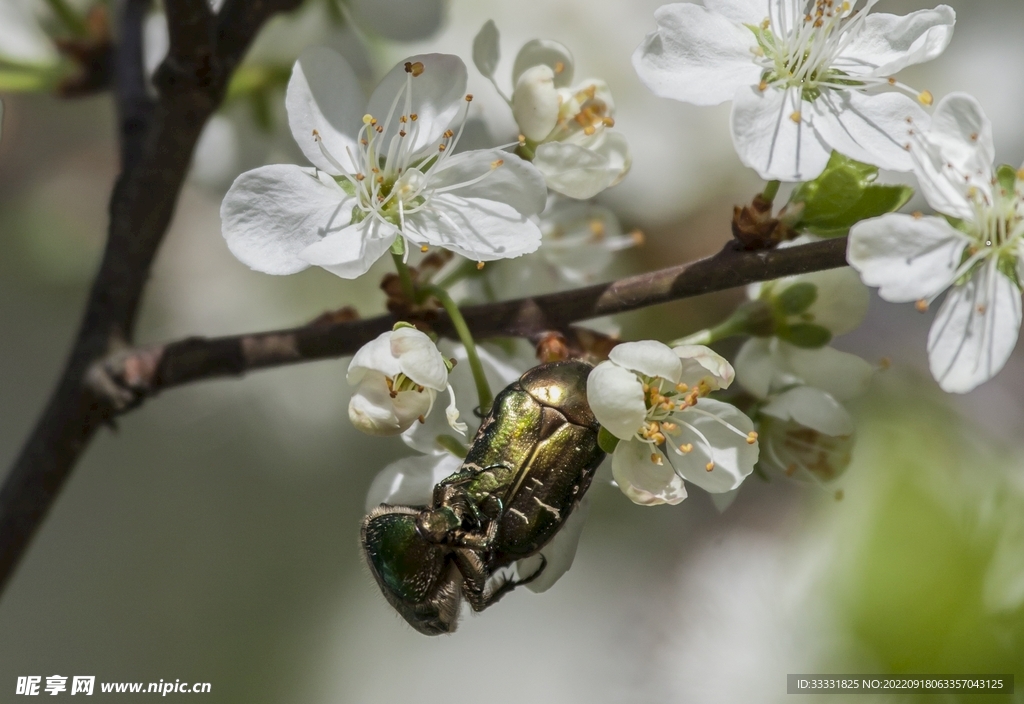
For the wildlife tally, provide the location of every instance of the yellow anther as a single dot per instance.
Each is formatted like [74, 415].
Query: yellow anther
[589, 130]
[401, 133]
[441, 147]
[1020, 175]
[751, 438]
[608, 121]
[709, 466]
[682, 388]
[316, 134]
[522, 139]
[925, 97]
[413, 116]
[917, 215]
[795, 116]
[921, 305]
[469, 97]
[638, 237]
[762, 86]
[496, 163]
[479, 266]
[415, 69]
[424, 248]
[892, 81]
[559, 66]
[656, 458]
[403, 119]
[687, 448]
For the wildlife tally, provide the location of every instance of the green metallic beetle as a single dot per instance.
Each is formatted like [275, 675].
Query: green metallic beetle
[530, 463]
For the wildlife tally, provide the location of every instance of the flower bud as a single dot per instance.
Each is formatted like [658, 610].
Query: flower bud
[535, 102]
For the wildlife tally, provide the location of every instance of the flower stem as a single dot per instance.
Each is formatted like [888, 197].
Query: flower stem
[771, 190]
[483, 389]
[67, 15]
[405, 277]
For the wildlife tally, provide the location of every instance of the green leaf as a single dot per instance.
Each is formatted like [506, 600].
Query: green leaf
[795, 299]
[486, 51]
[843, 195]
[606, 441]
[1007, 177]
[806, 335]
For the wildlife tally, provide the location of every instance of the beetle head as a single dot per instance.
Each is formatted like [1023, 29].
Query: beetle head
[414, 574]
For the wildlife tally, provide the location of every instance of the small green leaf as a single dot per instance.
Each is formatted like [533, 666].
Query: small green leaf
[843, 195]
[1007, 176]
[606, 441]
[795, 299]
[806, 335]
[398, 246]
[486, 51]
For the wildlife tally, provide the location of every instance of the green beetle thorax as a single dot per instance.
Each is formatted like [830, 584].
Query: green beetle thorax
[562, 386]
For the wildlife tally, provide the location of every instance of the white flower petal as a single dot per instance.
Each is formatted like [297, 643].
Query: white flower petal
[839, 374]
[696, 56]
[869, 128]
[755, 366]
[958, 146]
[887, 43]
[581, 171]
[351, 251]
[324, 96]
[643, 481]
[734, 458]
[535, 102]
[437, 99]
[648, 357]
[811, 408]
[410, 481]
[549, 53]
[975, 330]
[451, 413]
[515, 182]
[400, 20]
[702, 364]
[273, 213]
[374, 356]
[373, 411]
[616, 397]
[419, 358]
[559, 553]
[740, 11]
[907, 258]
[478, 229]
[773, 134]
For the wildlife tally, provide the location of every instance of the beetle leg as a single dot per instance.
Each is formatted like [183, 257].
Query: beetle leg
[475, 540]
[474, 574]
[508, 585]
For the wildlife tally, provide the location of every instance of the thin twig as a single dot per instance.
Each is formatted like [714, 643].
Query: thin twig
[130, 376]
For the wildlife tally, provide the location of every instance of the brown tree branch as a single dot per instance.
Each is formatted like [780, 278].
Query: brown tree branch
[157, 143]
[128, 377]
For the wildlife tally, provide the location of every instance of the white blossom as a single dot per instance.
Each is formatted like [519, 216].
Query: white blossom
[801, 74]
[397, 378]
[566, 130]
[654, 399]
[802, 423]
[975, 251]
[389, 173]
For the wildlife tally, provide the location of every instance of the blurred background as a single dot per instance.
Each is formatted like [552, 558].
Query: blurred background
[213, 537]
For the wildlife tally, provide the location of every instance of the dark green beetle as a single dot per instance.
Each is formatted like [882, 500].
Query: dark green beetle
[529, 465]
